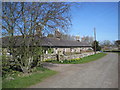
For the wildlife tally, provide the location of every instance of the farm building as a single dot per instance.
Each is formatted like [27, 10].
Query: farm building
[57, 44]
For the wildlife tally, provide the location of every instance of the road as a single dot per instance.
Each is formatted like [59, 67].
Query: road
[102, 73]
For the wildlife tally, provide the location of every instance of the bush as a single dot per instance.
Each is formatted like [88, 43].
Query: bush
[5, 65]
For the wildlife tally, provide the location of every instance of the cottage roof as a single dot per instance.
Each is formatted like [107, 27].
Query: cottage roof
[42, 41]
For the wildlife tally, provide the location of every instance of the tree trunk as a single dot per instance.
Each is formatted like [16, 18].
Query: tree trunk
[58, 57]
[25, 69]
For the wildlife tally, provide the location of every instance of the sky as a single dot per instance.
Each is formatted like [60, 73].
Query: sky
[101, 15]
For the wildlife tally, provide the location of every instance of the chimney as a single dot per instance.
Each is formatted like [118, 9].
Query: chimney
[77, 38]
[58, 34]
[39, 28]
[83, 39]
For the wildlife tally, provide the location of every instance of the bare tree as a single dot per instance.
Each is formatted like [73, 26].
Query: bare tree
[28, 19]
[68, 37]
[106, 43]
[87, 39]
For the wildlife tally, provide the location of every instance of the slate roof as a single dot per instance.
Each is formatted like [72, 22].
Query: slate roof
[43, 41]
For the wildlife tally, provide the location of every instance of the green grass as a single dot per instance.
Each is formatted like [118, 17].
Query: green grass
[82, 60]
[0, 83]
[36, 77]
[26, 81]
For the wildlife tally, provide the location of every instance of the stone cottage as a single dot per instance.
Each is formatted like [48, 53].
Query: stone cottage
[56, 43]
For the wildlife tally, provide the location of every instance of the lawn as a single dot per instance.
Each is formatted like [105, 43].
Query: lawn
[0, 83]
[36, 77]
[80, 60]
[26, 81]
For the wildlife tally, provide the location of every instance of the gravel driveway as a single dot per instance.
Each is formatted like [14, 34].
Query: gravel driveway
[102, 73]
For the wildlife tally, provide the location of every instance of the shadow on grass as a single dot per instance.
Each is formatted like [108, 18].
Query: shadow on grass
[26, 81]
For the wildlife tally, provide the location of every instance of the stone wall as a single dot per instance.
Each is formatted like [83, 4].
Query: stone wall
[67, 57]
[66, 50]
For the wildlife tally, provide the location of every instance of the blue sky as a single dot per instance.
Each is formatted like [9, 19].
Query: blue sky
[101, 15]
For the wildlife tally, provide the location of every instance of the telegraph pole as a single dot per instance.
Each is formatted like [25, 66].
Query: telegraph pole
[95, 39]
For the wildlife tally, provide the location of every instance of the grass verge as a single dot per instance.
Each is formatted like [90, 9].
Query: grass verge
[81, 60]
[26, 81]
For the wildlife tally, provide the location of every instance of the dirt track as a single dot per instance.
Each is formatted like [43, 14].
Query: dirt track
[102, 73]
